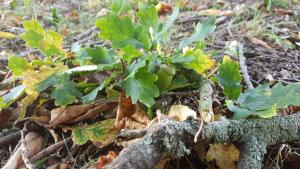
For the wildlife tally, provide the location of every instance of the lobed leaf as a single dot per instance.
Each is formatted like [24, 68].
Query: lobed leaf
[202, 30]
[48, 42]
[229, 78]
[140, 86]
[263, 101]
[17, 65]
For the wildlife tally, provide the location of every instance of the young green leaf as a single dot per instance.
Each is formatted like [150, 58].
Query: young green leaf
[201, 32]
[114, 28]
[99, 55]
[64, 91]
[17, 65]
[148, 17]
[140, 86]
[48, 42]
[229, 78]
[93, 94]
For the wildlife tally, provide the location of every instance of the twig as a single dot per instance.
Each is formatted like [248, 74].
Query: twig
[205, 102]
[243, 66]
[49, 150]
[188, 93]
[134, 133]
[25, 152]
[9, 138]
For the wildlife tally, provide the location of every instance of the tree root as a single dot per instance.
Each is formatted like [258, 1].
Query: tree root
[174, 139]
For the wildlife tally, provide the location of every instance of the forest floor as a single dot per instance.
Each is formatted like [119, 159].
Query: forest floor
[271, 45]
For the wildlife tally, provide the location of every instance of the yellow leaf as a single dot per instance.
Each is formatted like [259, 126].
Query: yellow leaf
[6, 35]
[202, 61]
[224, 154]
[216, 12]
[181, 112]
[31, 79]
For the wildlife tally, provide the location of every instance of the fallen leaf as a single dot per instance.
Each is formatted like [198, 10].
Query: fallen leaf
[181, 112]
[163, 8]
[130, 115]
[34, 143]
[76, 113]
[125, 108]
[216, 12]
[106, 159]
[258, 42]
[101, 133]
[225, 155]
[6, 35]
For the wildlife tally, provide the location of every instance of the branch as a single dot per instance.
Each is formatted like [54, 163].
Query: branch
[243, 65]
[174, 139]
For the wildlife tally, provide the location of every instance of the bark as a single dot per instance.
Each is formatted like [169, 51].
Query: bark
[174, 139]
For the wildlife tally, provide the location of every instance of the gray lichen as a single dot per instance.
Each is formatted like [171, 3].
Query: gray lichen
[174, 139]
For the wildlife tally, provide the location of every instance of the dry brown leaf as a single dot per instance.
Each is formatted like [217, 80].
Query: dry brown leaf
[129, 123]
[130, 115]
[163, 8]
[224, 154]
[125, 108]
[140, 116]
[76, 113]
[103, 160]
[216, 12]
[34, 143]
[9, 114]
[258, 42]
[181, 112]
[162, 164]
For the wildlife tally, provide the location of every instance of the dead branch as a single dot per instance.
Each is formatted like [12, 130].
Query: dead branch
[9, 139]
[25, 152]
[243, 66]
[173, 139]
[49, 150]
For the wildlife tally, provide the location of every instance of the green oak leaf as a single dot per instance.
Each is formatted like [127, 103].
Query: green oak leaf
[229, 78]
[264, 101]
[100, 133]
[122, 32]
[140, 86]
[148, 17]
[48, 42]
[17, 65]
[99, 55]
[243, 113]
[113, 27]
[129, 52]
[202, 30]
